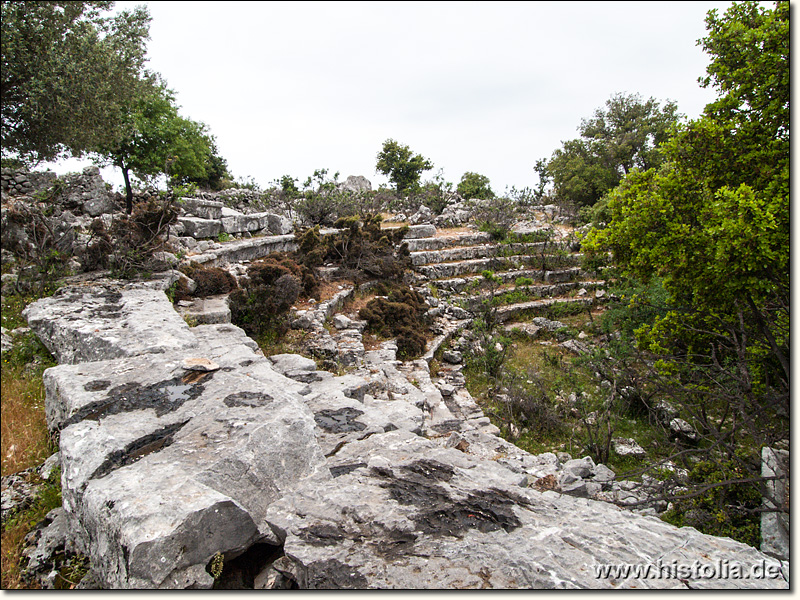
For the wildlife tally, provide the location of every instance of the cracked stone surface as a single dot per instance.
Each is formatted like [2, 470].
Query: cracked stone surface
[382, 477]
[405, 514]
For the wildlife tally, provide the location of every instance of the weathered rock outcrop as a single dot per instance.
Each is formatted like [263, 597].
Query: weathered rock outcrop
[89, 323]
[383, 477]
[163, 466]
[403, 513]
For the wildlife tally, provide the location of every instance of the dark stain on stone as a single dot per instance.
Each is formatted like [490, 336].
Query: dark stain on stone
[430, 469]
[393, 544]
[332, 574]
[153, 442]
[440, 513]
[97, 386]
[111, 310]
[340, 470]
[339, 421]
[246, 363]
[483, 511]
[390, 427]
[163, 397]
[251, 399]
[323, 534]
[447, 426]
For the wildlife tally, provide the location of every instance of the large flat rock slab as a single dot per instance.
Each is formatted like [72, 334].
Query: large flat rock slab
[404, 514]
[97, 322]
[164, 466]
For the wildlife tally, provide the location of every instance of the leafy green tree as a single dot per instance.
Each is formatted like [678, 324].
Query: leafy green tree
[216, 175]
[68, 74]
[624, 136]
[473, 185]
[401, 165]
[580, 173]
[159, 141]
[713, 222]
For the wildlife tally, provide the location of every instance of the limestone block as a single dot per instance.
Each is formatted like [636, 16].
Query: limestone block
[164, 466]
[203, 209]
[245, 223]
[200, 228]
[279, 225]
[87, 323]
[420, 231]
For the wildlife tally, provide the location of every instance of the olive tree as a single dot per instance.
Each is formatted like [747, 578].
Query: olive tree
[68, 74]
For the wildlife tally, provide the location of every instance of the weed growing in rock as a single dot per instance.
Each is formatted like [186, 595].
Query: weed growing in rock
[19, 525]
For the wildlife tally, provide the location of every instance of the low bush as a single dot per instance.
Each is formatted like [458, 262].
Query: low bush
[526, 404]
[99, 248]
[211, 281]
[398, 314]
[361, 248]
[272, 285]
[40, 242]
[495, 216]
[722, 510]
[140, 235]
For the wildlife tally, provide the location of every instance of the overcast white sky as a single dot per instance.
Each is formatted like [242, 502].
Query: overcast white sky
[489, 87]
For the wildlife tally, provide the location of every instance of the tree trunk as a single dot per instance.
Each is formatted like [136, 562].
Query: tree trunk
[128, 190]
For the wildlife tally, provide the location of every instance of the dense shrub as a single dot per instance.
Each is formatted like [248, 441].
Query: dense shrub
[722, 510]
[362, 249]
[272, 285]
[210, 281]
[399, 314]
[474, 185]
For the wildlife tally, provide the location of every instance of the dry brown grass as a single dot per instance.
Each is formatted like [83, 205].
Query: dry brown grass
[327, 290]
[357, 302]
[453, 231]
[25, 441]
